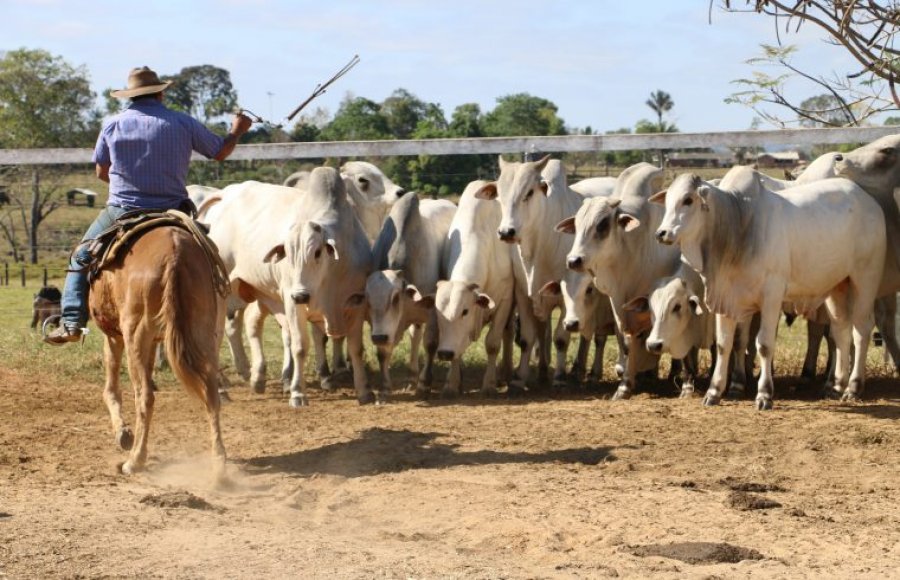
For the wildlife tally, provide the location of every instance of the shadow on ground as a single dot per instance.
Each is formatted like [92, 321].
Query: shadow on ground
[378, 451]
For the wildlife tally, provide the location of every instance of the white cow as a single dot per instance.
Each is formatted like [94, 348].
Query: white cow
[534, 196]
[407, 263]
[677, 321]
[614, 242]
[302, 255]
[480, 289]
[756, 249]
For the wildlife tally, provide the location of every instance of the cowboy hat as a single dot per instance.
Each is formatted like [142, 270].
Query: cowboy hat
[141, 81]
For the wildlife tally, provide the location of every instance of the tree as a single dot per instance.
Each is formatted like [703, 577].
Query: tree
[823, 110]
[44, 102]
[523, 114]
[203, 91]
[661, 102]
[357, 119]
[403, 110]
[866, 30]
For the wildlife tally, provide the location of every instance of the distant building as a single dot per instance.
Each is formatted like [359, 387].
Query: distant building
[711, 160]
[784, 159]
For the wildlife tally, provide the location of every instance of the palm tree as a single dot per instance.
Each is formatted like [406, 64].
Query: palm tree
[661, 102]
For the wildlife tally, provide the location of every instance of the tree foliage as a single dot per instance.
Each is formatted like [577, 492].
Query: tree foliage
[661, 103]
[866, 30]
[523, 114]
[204, 91]
[45, 102]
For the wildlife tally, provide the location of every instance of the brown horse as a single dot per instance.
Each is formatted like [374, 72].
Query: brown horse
[161, 289]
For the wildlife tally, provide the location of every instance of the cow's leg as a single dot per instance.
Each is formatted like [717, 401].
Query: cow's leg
[426, 378]
[561, 339]
[832, 358]
[815, 332]
[113, 347]
[886, 320]
[579, 366]
[838, 311]
[770, 314]
[623, 352]
[451, 388]
[415, 344]
[295, 319]
[364, 394]
[287, 359]
[338, 358]
[253, 325]
[689, 367]
[384, 353]
[738, 362]
[492, 343]
[506, 351]
[599, 352]
[234, 324]
[863, 322]
[139, 345]
[725, 331]
[323, 371]
[527, 337]
[627, 385]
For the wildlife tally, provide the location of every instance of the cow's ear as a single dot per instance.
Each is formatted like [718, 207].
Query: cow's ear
[275, 255]
[487, 191]
[412, 293]
[551, 288]
[545, 187]
[659, 197]
[355, 300]
[703, 192]
[696, 305]
[639, 304]
[567, 226]
[331, 248]
[483, 300]
[628, 222]
[501, 162]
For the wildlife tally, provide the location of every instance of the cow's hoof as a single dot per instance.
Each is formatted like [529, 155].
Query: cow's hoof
[423, 393]
[831, 393]
[686, 393]
[711, 400]
[125, 439]
[849, 397]
[808, 374]
[327, 383]
[489, 392]
[516, 389]
[367, 398]
[620, 371]
[381, 398]
[259, 387]
[298, 401]
[735, 393]
[763, 404]
[449, 393]
[621, 394]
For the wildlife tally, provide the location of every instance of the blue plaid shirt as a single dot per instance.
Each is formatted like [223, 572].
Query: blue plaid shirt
[148, 148]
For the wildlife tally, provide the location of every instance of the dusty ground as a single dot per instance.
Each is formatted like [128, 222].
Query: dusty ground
[574, 487]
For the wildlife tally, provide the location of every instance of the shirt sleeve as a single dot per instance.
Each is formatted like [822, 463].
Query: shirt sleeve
[101, 149]
[204, 141]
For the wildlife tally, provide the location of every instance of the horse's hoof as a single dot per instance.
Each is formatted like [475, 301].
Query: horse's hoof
[367, 398]
[808, 374]
[711, 400]
[128, 468]
[763, 404]
[298, 401]
[224, 397]
[125, 439]
[621, 394]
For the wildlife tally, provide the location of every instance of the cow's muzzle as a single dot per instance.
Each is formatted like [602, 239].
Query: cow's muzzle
[507, 235]
[575, 263]
[379, 339]
[665, 237]
[445, 355]
[572, 325]
[655, 346]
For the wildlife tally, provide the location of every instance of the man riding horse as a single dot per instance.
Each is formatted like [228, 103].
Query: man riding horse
[143, 153]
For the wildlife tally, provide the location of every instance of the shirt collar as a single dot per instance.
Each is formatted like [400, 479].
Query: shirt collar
[145, 104]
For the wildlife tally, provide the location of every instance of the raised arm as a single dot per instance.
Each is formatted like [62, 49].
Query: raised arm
[240, 124]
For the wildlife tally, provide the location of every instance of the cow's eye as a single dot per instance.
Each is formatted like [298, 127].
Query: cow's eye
[603, 227]
[688, 201]
[318, 254]
[465, 311]
[677, 308]
[529, 194]
[395, 300]
[589, 291]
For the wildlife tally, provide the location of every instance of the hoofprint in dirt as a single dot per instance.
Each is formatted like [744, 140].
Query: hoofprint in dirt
[535, 488]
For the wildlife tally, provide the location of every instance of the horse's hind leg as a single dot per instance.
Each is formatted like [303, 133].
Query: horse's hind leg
[139, 347]
[112, 394]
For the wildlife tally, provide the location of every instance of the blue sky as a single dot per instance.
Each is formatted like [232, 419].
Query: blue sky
[597, 60]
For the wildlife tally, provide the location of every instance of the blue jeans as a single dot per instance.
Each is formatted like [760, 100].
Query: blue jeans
[75, 293]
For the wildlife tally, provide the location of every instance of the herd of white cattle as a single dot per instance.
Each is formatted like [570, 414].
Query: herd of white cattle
[700, 265]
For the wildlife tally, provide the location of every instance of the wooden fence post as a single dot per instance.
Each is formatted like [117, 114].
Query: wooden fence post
[45, 275]
[23, 275]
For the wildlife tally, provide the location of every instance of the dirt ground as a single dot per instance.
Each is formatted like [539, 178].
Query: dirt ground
[570, 487]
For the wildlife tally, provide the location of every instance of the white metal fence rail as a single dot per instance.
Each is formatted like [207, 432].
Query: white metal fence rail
[567, 143]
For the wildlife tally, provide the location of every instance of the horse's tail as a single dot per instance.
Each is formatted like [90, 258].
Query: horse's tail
[191, 328]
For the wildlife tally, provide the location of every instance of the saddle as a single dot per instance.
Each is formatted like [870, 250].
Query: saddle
[110, 244]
